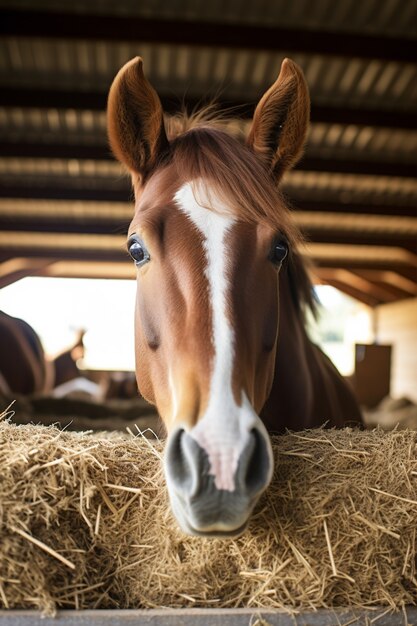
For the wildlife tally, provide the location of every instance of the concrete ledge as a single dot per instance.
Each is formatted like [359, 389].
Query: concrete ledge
[211, 617]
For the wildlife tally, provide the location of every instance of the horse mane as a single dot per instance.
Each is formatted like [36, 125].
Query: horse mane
[202, 148]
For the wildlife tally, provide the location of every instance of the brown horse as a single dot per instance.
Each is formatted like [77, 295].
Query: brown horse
[24, 368]
[218, 274]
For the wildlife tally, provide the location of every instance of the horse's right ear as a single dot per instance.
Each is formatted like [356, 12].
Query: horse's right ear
[135, 122]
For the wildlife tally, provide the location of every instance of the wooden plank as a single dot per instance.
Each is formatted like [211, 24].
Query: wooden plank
[352, 292]
[24, 97]
[119, 225]
[356, 282]
[102, 152]
[211, 617]
[93, 27]
[54, 190]
[361, 238]
[392, 279]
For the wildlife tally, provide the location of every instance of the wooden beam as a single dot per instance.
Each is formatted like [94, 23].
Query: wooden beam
[97, 27]
[405, 271]
[361, 208]
[65, 224]
[329, 222]
[356, 282]
[111, 212]
[92, 269]
[55, 191]
[60, 246]
[355, 166]
[392, 279]
[355, 237]
[58, 254]
[119, 226]
[113, 248]
[101, 152]
[20, 267]
[24, 97]
[335, 255]
[352, 292]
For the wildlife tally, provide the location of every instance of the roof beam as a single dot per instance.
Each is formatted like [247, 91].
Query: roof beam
[359, 208]
[54, 191]
[71, 25]
[65, 224]
[97, 101]
[392, 279]
[353, 166]
[17, 268]
[360, 238]
[333, 254]
[60, 254]
[352, 292]
[24, 149]
[360, 264]
[116, 226]
[357, 282]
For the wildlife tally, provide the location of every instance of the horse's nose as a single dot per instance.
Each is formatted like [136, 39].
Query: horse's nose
[204, 504]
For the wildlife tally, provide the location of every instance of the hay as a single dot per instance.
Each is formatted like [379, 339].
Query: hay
[85, 524]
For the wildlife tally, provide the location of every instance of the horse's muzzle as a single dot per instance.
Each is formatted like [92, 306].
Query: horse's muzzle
[198, 505]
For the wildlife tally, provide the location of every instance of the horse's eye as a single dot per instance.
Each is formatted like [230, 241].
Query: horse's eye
[279, 252]
[138, 252]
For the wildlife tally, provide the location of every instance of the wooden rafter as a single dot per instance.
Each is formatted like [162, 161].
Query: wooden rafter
[70, 25]
[393, 279]
[355, 237]
[118, 225]
[354, 281]
[101, 152]
[20, 267]
[54, 190]
[352, 292]
[24, 97]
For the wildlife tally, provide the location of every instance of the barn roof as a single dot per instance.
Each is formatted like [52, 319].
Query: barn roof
[64, 205]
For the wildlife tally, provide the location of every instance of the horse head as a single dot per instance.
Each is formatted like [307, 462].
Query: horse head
[209, 236]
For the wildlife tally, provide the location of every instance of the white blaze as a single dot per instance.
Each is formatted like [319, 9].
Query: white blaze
[224, 429]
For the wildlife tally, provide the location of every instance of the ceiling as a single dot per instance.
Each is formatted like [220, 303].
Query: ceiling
[64, 203]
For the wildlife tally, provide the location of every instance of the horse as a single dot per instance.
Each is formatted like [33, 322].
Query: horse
[220, 339]
[24, 368]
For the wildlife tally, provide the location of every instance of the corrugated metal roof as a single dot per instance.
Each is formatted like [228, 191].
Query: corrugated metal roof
[176, 70]
[391, 17]
[88, 127]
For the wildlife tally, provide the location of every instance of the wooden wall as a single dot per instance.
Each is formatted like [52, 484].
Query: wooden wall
[397, 324]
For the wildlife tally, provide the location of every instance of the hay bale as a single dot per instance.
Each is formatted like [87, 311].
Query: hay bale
[85, 524]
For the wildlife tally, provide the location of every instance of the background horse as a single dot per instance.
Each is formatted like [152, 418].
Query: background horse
[24, 368]
[221, 345]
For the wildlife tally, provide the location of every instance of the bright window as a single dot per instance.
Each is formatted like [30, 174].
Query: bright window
[58, 307]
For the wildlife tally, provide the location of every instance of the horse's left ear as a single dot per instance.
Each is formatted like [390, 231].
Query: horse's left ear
[281, 119]
[135, 121]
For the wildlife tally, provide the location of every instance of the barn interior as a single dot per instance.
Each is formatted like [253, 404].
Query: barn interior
[65, 203]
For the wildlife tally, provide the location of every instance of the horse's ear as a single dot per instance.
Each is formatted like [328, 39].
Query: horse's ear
[135, 121]
[281, 119]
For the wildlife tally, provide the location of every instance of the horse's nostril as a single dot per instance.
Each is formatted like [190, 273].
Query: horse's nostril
[175, 458]
[181, 462]
[257, 464]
